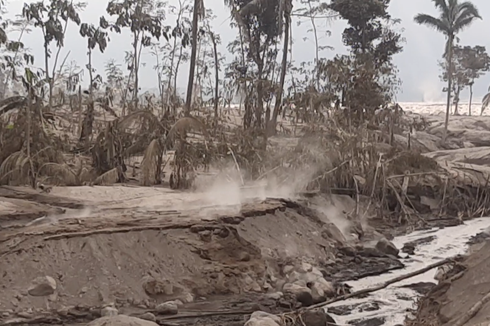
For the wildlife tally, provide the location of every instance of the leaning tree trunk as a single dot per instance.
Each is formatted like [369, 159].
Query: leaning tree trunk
[192, 69]
[449, 85]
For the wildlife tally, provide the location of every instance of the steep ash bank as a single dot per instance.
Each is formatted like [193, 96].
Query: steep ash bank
[270, 255]
[462, 297]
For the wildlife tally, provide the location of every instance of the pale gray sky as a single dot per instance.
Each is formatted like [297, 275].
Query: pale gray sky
[417, 64]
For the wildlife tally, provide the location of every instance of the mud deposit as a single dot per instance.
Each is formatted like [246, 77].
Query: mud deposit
[62, 265]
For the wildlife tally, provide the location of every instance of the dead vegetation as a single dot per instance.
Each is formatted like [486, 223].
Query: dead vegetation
[336, 132]
[329, 155]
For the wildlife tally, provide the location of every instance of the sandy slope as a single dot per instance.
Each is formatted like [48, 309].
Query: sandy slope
[136, 247]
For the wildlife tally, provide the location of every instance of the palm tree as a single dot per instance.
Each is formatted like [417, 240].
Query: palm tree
[454, 16]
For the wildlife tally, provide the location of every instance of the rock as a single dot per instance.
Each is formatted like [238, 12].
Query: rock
[487, 230]
[153, 286]
[301, 293]
[121, 320]
[387, 247]
[109, 311]
[305, 298]
[310, 277]
[317, 272]
[260, 318]
[294, 276]
[305, 268]
[408, 249]
[326, 286]
[187, 298]
[301, 283]
[42, 286]
[24, 314]
[167, 308]
[275, 295]
[280, 284]
[442, 272]
[148, 316]
[261, 322]
[295, 289]
[317, 295]
[244, 256]
[262, 314]
[317, 318]
[206, 236]
[287, 269]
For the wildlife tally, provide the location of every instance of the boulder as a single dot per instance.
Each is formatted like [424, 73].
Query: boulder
[109, 312]
[295, 289]
[42, 286]
[325, 287]
[121, 320]
[318, 295]
[317, 317]
[263, 314]
[261, 322]
[148, 316]
[167, 308]
[302, 293]
[260, 318]
[387, 247]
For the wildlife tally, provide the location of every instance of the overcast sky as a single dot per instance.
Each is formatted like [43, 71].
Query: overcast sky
[417, 63]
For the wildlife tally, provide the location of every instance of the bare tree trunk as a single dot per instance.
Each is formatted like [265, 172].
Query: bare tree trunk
[177, 66]
[317, 55]
[216, 75]
[449, 86]
[28, 138]
[278, 103]
[160, 82]
[171, 71]
[135, 69]
[88, 121]
[50, 84]
[80, 109]
[471, 98]
[456, 100]
[190, 82]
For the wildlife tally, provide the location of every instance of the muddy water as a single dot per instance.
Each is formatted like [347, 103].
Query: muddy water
[389, 306]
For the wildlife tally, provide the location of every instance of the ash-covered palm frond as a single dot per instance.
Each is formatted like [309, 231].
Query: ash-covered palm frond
[180, 129]
[61, 174]
[15, 168]
[432, 22]
[454, 16]
[12, 103]
[151, 163]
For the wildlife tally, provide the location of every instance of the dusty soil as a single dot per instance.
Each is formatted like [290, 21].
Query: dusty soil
[133, 248]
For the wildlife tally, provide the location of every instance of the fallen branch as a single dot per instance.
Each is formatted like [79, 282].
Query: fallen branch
[383, 285]
[207, 314]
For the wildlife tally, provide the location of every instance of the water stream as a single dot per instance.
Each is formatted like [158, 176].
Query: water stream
[389, 306]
